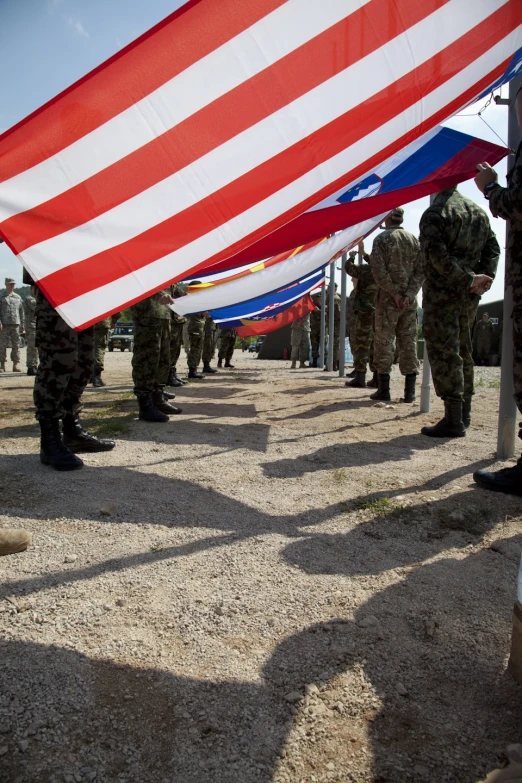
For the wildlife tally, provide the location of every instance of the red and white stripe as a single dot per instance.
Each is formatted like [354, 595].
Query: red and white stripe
[224, 122]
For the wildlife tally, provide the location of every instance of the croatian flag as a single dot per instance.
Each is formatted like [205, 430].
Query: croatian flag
[225, 122]
[292, 313]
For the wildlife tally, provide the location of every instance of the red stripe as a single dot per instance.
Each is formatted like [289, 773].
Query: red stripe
[298, 310]
[321, 222]
[183, 38]
[249, 103]
[70, 282]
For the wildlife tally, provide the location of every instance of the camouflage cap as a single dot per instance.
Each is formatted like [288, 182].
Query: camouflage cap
[9, 280]
[397, 215]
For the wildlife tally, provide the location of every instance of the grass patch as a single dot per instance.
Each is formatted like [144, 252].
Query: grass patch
[339, 475]
[376, 506]
[112, 420]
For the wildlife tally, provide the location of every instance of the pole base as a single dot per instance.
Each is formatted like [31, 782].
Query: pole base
[515, 658]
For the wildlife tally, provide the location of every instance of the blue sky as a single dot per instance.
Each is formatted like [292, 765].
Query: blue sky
[46, 45]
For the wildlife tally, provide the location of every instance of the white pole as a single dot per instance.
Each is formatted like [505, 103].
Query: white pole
[331, 320]
[342, 330]
[322, 338]
[507, 414]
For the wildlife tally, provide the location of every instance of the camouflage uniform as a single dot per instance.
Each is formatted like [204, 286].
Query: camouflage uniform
[177, 322]
[506, 203]
[315, 327]
[195, 332]
[12, 320]
[227, 342]
[101, 340]
[397, 268]
[351, 319]
[300, 338]
[364, 307]
[484, 331]
[337, 322]
[457, 242]
[209, 341]
[66, 363]
[30, 332]
[151, 357]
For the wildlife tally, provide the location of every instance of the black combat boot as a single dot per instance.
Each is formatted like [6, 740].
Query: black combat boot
[168, 396]
[161, 404]
[303, 366]
[220, 363]
[409, 387]
[507, 480]
[351, 374]
[383, 388]
[358, 382]
[230, 366]
[173, 381]
[52, 449]
[451, 426]
[466, 412]
[208, 370]
[193, 373]
[149, 412]
[336, 365]
[314, 361]
[97, 380]
[76, 439]
[374, 382]
[31, 371]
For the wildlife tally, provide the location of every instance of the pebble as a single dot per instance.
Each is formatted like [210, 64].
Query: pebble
[370, 621]
[70, 558]
[514, 753]
[109, 510]
[3, 750]
[401, 689]
[420, 769]
[121, 602]
[293, 697]
[330, 766]
[23, 745]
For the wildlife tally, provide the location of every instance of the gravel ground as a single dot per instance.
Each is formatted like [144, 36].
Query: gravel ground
[285, 584]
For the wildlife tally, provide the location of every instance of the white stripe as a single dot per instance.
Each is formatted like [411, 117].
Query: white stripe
[135, 285]
[257, 144]
[288, 302]
[252, 51]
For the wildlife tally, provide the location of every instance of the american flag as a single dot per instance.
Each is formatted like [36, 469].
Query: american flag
[224, 122]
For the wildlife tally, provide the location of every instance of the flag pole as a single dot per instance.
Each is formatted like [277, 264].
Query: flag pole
[425, 402]
[342, 330]
[331, 320]
[507, 413]
[322, 338]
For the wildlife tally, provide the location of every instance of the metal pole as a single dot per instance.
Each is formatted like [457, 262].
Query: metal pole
[331, 320]
[426, 368]
[322, 338]
[342, 330]
[507, 413]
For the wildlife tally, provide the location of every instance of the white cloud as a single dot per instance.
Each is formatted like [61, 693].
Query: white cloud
[78, 27]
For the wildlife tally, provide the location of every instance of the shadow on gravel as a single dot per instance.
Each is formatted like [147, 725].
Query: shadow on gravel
[218, 410]
[432, 654]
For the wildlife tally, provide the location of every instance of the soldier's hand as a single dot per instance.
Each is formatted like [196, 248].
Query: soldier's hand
[360, 247]
[484, 176]
[481, 284]
[166, 299]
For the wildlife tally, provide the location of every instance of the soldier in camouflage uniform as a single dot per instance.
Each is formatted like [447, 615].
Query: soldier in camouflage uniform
[315, 329]
[101, 340]
[300, 340]
[461, 255]
[397, 267]
[66, 364]
[195, 332]
[176, 339]
[506, 203]
[209, 345]
[337, 324]
[364, 307]
[11, 325]
[151, 357]
[30, 331]
[484, 331]
[227, 342]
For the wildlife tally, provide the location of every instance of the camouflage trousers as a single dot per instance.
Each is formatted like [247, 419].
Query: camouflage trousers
[32, 353]
[66, 363]
[176, 340]
[195, 331]
[10, 338]
[186, 339]
[362, 348]
[151, 357]
[395, 325]
[300, 341]
[483, 348]
[101, 340]
[447, 326]
[227, 342]
[209, 341]
[315, 339]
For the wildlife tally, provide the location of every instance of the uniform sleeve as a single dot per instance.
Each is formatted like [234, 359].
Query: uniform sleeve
[379, 268]
[489, 256]
[353, 269]
[507, 202]
[436, 254]
[21, 313]
[417, 277]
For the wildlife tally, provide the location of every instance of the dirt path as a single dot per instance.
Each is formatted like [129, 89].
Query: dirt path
[284, 584]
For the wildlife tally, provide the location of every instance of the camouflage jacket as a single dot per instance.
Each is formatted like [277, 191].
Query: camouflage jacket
[365, 288]
[30, 311]
[397, 266]
[176, 292]
[151, 308]
[507, 203]
[301, 324]
[484, 329]
[457, 242]
[11, 309]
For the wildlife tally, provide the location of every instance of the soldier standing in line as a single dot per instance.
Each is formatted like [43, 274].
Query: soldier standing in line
[195, 328]
[461, 255]
[101, 340]
[209, 345]
[227, 342]
[30, 330]
[364, 307]
[315, 328]
[337, 324]
[300, 340]
[151, 357]
[484, 331]
[177, 323]
[397, 267]
[11, 325]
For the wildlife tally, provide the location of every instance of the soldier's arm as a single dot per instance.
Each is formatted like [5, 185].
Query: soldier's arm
[417, 277]
[507, 202]
[489, 256]
[380, 271]
[21, 314]
[437, 255]
[353, 269]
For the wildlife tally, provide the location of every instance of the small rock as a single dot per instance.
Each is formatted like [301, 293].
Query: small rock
[109, 510]
[390, 407]
[368, 622]
[330, 766]
[380, 405]
[5, 728]
[3, 750]
[420, 769]
[121, 602]
[219, 610]
[70, 558]
[311, 690]
[293, 697]
[339, 707]
[401, 690]
[430, 627]
[514, 753]
[23, 745]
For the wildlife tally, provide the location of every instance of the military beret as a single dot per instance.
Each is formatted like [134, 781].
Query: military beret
[9, 280]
